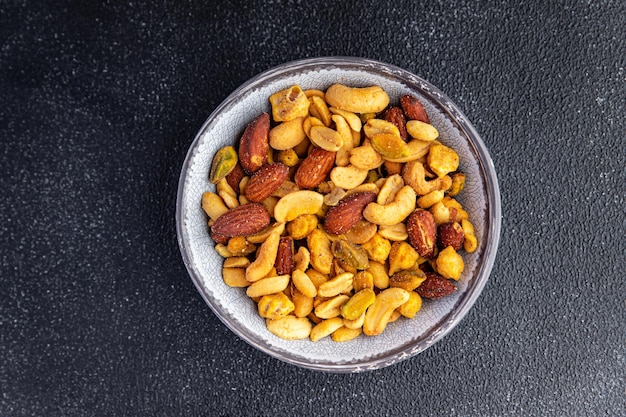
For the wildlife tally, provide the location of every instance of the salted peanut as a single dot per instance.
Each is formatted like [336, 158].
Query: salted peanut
[289, 104]
[348, 177]
[379, 274]
[365, 157]
[377, 248]
[362, 280]
[227, 193]
[287, 187]
[318, 108]
[240, 246]
[458, 184]
[407, 280]
[275, 306]
[310, 122]
[379, 313]
[395, 233]
[390, 146]
[357, 100]
[389, 189]
[235, 277]
[470, 243]
[236, 262]
[266, 286]
[355, 324]
[296, 204]
[332, 199]
[342, 158]
[449, 264]
[411, 307]
[336, 285]
[401, 257]
[394, 212]
[290, 327]
[358, 304]
[262, 236]
[302, 258]
[344, 334]
[361, 232]
[321, 254]
[352, 119]
[442, 160]
[326, 138]
[422, 131]
[286, 135]
[417, 149]
[325, 328]
[265, 258]
[414, 175]
[317, 277]
[222, 250]
[332, 307]
[430, 199]
[303, 283]
[302, 226]
[213, 205]
[303, 305]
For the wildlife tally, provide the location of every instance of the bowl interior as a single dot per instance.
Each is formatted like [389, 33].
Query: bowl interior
[402, 338]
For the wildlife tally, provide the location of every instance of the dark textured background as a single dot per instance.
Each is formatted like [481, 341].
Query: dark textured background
[99, 102]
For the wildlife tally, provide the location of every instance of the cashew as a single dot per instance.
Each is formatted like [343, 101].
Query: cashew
[213, 205]
[394, 212]
[379, 313]
[286, 135]
[297, 203]
[357, 100]
[414, 175]
[266, 256]
[290, 327]
[348, 177]
[422, 131]
[355, 324]
[389, 189]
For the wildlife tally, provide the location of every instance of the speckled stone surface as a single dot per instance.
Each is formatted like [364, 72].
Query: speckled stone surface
[98, 105]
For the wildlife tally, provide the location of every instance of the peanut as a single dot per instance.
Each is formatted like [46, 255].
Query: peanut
[290, 327]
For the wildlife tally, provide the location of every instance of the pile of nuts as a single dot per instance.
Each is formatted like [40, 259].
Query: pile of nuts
[338, 215]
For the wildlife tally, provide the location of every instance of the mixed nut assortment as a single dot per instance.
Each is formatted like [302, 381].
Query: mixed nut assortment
[337, 213]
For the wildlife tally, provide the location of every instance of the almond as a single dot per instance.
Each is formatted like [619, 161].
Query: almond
[435, 286]
[347, 213]
[314, 168]
[284, 263]
[413, 109]
[450, 234]
[236, 175]
[244, 220]
[254, 144]
[422, 232]
[265, 181]
[395, 116]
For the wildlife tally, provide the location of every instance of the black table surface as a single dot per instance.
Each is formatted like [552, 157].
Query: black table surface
[99, 102]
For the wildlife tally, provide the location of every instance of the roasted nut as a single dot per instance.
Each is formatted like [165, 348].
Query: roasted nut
[319, 109]
[450, 234]
[389, 189]
[244, 220]
[332, 307]
[347, 213]
[449, 264]
[413, 109]
[265, 181]
[394, 212]
[265, 259]
[435, 286]
[348, 177]
[442, 160]
[343, 154]
[352, 119]
[390, 146]
[302, 258]
[303, 305]
[314, 168]
[287, 135]
[358, 304]
[377, 248]
[422, 232]
[303, 283]
[470, 243]
[254, 144]
[223, 163]
[401, 257]
[422, 131]
[430, 199]
[213, 205]
[239, 246]
[285, 263]
[236, 262]
[289, 104]
[345, 334]
[227, 193]
[379, 313]
[235, 277]
[407, 280]
[458, 183]
[302, 226]
[290, 327]
[321, 255]
[411, 307]
[266, 286]
[336, 285]
[325, 328]
[275, 306]
[296, 204]
[357, 100]
[414, 175]
[362, 280]
[379, 275]
[326, 138]
[396, 116]
[351, 254]
[236, 175]
[396, 233]
[289, 157]
[365, 157]
[361, 232]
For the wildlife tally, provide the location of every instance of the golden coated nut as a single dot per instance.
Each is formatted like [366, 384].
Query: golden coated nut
[321, 254]
[377, 248]
[411, 307]
[289, 104]
[450, 264]
[442, 160]
[302, 226]
[275, 306]
[401, 257]
[362, 280]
